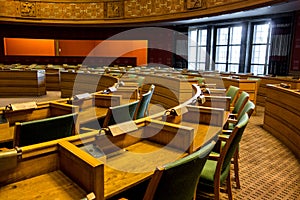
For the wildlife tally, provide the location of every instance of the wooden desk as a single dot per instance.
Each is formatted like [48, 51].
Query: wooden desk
[22, 83]
[249, 86]
[135, 165]
[120, 171]
[282, 116]
[7, 134]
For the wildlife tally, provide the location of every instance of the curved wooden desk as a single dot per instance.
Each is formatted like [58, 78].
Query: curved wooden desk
[51, 159]
[282, 116]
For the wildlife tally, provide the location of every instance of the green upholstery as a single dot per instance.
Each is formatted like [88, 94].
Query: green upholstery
[215, 172]
[37, 131]
[140, 80]
[248, 108]
[119, 114]
[178, 179]
[240, 102]
[232, 92]
[132, 75]
[201, 80]
[142, 109]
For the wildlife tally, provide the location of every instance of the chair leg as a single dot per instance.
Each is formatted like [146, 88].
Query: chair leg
[228, 186]
[217, 190]
[236, 168]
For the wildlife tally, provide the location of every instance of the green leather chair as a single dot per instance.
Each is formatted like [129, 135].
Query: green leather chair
[232, 92]
[217, 168]
[247, 109]
[37, 131]
[119, 114]
[176, 180]
[239, 104]
[143, 105]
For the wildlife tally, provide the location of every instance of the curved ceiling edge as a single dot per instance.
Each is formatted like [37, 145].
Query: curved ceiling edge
[116, 12]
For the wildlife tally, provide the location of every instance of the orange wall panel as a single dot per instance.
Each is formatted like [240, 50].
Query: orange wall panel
[29, 47]
[123, 48]
[75, 47]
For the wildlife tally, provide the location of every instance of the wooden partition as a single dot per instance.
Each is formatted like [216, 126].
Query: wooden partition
[45, 110]
[22, 83]
[264, 81]
[169, 91]
[282, 116]
[53, 79]
[73, 83]
[41, 112]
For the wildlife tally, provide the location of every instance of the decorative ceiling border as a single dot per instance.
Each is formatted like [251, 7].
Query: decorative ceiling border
[118, 11]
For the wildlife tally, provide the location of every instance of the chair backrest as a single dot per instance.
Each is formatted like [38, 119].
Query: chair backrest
[232, 143]
[37, 131]
[240, 102]
[142, 109]
[248, 108]
[232, 92]
[119, 114]
[140, 80]
[178, 180]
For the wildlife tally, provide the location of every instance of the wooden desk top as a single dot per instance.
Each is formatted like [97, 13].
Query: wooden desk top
[121, 172]
[135, 165]
[92, 113]
[53, 185]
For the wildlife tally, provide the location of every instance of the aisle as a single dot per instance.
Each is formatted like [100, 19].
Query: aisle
[268, 169]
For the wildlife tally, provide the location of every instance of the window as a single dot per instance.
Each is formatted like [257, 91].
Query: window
[239, 47]
[197, 49]
[260, 48]
[228, 48]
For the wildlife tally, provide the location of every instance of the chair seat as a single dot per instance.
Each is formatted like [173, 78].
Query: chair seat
[208, 172]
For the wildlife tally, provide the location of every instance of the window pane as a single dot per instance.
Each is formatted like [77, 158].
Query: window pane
[236, 35]
[193, 38]
[200, 66]
[220, 67]
[260, 34]
[234, 54]
[201, 54]
[192, 54]
[233, 68]
[257, 69]
[221, 53]
[222, 36]
[202, 37]
[192, 66]
[259, 54]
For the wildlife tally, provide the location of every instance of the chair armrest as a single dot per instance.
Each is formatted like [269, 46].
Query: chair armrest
[226, 131]
[214, 156]
[223, 137]
[234, 121]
